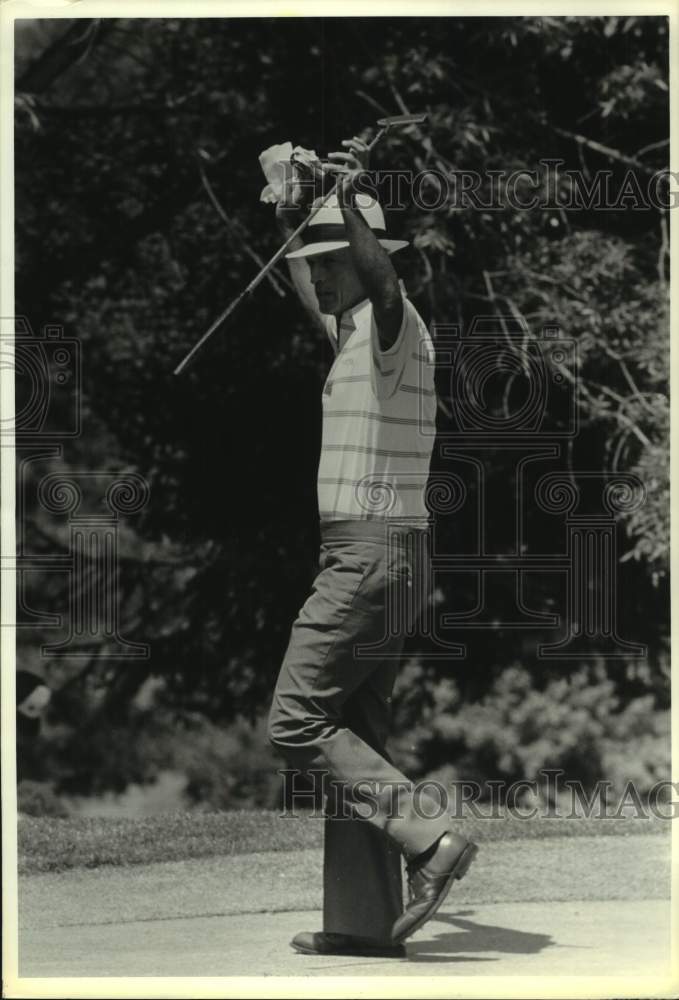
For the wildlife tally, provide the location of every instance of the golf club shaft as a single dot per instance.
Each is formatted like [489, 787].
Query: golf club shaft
[259, 277]
[385, 124]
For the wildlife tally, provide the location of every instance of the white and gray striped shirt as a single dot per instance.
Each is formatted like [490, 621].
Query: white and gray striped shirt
[379, 420]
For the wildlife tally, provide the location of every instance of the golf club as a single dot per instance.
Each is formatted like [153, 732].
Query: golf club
[385, 124]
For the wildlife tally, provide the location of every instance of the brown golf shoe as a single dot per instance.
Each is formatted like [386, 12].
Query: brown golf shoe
[322, 943]
[430, 877]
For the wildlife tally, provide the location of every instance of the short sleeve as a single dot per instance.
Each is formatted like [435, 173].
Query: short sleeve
[387, 367]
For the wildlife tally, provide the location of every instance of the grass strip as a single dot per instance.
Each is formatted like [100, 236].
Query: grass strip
[47, 844]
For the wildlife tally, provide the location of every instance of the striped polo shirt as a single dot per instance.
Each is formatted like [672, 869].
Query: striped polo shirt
[379, 420]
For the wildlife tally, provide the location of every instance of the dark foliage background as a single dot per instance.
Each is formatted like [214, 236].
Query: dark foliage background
[122, 126]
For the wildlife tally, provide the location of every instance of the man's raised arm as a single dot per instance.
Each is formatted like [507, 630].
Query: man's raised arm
[370, 259]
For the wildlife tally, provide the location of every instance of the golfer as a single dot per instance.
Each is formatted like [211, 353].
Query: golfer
[331, 706]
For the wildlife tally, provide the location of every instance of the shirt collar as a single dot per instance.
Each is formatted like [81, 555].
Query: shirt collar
[346, 325]
[349, 316]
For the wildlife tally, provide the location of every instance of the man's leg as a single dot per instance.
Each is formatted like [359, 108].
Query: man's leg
[320, 673]
[362, 883]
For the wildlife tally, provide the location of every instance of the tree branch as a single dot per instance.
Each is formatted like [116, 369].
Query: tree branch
[607, 151]
[651, 146]
[76, 42]
[664, 251]
[236, 229]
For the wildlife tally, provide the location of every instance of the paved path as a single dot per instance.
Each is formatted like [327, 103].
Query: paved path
[495, 939]
[554, 907]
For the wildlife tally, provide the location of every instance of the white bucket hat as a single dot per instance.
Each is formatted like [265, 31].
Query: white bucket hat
[327, 232]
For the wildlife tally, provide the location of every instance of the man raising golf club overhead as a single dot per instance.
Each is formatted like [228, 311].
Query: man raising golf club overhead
[331, 706]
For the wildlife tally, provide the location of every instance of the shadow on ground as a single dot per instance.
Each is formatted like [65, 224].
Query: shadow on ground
[475, 938]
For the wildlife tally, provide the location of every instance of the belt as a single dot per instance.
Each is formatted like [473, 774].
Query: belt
[380, 532]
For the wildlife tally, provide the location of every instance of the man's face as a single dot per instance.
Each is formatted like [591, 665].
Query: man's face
[336, 283]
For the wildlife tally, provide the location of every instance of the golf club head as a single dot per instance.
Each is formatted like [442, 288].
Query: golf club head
[395, 120]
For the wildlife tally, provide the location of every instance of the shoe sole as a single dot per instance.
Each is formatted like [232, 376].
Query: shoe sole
[350, 954]
[459, 870]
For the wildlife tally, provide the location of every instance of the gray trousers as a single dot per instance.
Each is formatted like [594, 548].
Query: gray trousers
[331, 713]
